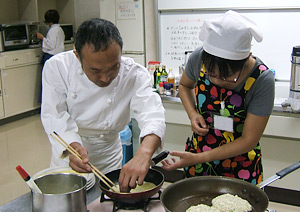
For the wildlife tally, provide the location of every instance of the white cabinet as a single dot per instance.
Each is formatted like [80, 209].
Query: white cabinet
[1, 101]
[21, 89]
[21, 81]
[128, 16]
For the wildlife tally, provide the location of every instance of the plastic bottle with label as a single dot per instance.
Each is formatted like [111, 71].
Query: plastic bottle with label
[171, 78]
[161, 88]
[168, 89]
[157, 80]
[155, 76]
[126, 140]
[164, 74]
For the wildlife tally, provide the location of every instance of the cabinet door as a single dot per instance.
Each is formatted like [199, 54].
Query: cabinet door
[1, 100]
[108, 10]
[21, 89]
[130, 22]
[128, 16]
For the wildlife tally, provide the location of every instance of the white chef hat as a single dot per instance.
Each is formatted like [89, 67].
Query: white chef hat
[229, 36]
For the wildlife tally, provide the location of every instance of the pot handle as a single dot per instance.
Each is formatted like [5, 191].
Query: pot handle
[279, 174]
[159, 157]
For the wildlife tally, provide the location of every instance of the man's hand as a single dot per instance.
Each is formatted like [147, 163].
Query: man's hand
[75, 163]
[133, 172]
[137, 168]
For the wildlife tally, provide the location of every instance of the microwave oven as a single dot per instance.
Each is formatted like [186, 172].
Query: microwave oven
[14, 36]
[67, 28]
[69, 32]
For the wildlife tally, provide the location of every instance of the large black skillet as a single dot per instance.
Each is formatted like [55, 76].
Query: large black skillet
[153, 176]
[179, 196]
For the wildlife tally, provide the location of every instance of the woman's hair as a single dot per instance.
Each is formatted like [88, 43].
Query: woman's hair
[52, 16]
[98, 32]
[212, 62]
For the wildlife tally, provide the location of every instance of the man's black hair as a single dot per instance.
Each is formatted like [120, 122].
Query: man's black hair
[52, 16]
[98, 32]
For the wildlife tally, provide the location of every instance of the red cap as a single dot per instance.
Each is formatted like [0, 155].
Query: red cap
[22, 172]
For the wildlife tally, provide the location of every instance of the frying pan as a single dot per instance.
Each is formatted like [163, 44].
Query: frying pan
[179, 196]
[153, 176]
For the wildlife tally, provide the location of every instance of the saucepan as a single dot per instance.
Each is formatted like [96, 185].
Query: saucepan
[61, 192]
[185, 193]
[153, 176]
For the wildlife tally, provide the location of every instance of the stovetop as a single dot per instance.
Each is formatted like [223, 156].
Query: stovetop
[107, 206]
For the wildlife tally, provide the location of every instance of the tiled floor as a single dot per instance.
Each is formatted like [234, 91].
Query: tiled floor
[24, 143]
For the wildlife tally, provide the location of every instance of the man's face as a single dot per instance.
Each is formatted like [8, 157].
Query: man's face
[101, 67]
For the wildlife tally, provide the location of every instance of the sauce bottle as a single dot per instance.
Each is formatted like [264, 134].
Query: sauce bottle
[164, 74]
[155, 76]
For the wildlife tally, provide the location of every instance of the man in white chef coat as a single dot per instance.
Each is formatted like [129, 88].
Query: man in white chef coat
[87, 97]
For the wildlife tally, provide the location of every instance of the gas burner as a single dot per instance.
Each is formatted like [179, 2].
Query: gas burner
[141, 205]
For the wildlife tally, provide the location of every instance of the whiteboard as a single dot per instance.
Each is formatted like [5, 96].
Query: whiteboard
[178, 32]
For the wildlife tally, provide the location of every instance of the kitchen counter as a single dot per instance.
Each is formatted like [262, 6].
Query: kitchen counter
[277, 109]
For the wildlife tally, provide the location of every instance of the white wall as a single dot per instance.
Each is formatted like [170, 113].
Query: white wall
[150, 31]
[85, 10]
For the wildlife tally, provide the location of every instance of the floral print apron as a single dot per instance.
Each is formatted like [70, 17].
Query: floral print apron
[247, 166]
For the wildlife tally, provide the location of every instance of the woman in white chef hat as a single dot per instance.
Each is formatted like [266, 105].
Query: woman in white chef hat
[228, 95]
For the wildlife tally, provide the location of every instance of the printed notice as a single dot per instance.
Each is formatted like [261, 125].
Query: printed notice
[127, 10]
[178, 35]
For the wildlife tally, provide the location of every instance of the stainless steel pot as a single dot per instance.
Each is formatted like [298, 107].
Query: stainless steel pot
[295, 72]
[61, 192]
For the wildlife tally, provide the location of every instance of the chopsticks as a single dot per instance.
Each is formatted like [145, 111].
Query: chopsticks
[96, 171]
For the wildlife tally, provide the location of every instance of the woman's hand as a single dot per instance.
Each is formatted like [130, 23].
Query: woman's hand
[198, 124]
[77, 164]
[188, 98]
[185, 159]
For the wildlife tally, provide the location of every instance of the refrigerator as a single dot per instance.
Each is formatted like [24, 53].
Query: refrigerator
[128, 16]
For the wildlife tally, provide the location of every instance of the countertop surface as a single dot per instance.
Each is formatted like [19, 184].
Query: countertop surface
[278, 109]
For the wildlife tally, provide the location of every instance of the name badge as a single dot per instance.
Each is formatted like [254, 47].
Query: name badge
[223, 123]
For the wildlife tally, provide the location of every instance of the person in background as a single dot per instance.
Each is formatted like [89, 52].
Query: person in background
[228, 95]
[53, 43]
[88, 94]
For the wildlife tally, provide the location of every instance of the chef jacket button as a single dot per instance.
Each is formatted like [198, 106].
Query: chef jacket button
[101, 136]
[108, 101]
[105, 123]
[81, 72]
[74, 95]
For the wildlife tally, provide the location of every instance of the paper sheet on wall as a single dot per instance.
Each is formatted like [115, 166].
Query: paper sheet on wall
[127, 10]
[179, 34]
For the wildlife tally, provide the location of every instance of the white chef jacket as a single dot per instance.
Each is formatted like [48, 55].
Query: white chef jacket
[53, 43]
[78, 110]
